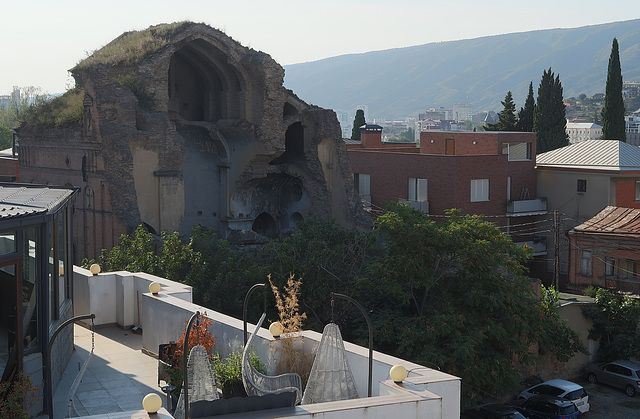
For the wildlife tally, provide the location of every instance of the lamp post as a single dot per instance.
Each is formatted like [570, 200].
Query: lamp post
[246, 304]
[366, 316]
[185, 350]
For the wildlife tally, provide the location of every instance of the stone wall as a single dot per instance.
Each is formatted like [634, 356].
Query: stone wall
[198, 131]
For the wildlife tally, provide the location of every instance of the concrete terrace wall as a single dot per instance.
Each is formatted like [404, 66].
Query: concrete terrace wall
[426, 393]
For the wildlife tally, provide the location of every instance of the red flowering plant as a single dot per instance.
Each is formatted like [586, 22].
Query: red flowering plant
[198, 335]
[17, 397]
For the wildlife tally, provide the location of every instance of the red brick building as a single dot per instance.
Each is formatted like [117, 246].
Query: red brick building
[605, 250]
[488, 173]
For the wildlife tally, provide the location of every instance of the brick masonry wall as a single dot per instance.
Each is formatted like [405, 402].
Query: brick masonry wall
[626, 193]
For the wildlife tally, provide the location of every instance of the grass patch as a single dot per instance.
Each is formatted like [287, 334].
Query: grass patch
[132, 47]
[61, 111]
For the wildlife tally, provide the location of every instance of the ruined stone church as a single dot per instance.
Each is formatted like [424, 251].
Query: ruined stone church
[179, 125]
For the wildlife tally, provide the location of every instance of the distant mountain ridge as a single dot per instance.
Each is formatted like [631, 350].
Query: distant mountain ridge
[406, 81]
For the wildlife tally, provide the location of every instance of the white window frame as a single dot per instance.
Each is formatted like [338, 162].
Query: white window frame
[507, 149]
[479, 190]
[418, 189]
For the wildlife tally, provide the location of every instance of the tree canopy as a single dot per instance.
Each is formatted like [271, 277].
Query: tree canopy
[506, 117]
[454, 294]
[358, 121]
[525, 116]
[451, 294]
[613, 124]
[549, 120]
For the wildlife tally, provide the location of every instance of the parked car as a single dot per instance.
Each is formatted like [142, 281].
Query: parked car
[549, 407]
[621, 374]
[492, 411]
[563, 389]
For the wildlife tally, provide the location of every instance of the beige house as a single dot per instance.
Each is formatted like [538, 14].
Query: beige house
[583, 131]
[580, 180]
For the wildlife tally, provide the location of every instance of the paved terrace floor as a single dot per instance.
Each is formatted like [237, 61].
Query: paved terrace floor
[117, 379]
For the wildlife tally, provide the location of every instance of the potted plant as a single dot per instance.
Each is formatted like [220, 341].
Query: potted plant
[228, 373]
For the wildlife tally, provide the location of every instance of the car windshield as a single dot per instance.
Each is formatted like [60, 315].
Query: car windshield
[638, 373]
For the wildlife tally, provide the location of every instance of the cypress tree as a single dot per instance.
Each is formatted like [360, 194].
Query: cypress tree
[506, 117]
[525, 116]
[549, 118]
[358, 121]
[613, 125]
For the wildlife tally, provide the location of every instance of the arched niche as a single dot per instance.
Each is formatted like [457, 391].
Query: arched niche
[203, 86]
[265, 225]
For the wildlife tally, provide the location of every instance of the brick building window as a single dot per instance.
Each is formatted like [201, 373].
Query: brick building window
[517, 151]
[418, 189]
[479, 190]
[585, 263]
[609, 266]
[631, 269]
[362, 183]
[637, 194]
[582, 186]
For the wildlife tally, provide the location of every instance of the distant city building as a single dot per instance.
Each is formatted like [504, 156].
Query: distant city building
[582, 131]
[630, 89]
[462, 112]
[5, 100]
[633, 128]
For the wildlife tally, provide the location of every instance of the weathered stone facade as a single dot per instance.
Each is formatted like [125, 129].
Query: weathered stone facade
[199, 131]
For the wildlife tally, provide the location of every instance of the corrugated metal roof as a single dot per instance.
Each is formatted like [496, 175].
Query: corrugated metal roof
[617, 220]
[593, 155]
[16, 201]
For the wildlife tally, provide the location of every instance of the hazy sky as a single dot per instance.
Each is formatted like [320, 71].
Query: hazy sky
[42, 39]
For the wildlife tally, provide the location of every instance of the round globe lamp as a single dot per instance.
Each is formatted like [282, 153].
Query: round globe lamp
[276, 329]
[95, 269]
[154, 288]
[152, 403]
[398, 373]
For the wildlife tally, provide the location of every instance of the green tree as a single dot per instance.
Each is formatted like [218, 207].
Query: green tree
[613, 125]
[615, 325]
[549, 120]
[525, 116]
[454, 293]
[358, 121]
[24, 100]
[328, 258]
[506, 117]
[6, 138]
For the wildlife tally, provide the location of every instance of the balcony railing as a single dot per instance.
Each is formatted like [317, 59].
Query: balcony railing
[526, 205]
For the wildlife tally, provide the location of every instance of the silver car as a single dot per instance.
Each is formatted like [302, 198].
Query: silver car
[621, 374]
[562, 389]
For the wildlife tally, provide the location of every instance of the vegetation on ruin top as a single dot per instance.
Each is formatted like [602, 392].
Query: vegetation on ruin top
[58, 112]
[132, 47]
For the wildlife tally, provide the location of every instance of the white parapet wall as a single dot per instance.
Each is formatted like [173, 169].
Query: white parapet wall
[124, 299]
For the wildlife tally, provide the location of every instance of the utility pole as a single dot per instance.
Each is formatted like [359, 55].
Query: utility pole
[556, 255]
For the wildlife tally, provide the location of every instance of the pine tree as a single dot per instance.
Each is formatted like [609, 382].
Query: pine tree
[525, 116]
[506, 117]
[358, 121]
[613, 125]
[549, 118]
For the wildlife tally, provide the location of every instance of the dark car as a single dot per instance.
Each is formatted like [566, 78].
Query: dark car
[622, 374]
[544, 406]
[492, 411]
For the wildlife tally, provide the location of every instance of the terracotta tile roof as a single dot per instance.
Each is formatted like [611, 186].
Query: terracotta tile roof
[593, 155]
[613, 220]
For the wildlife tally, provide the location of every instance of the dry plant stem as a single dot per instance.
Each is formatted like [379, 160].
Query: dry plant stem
[292, 357]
